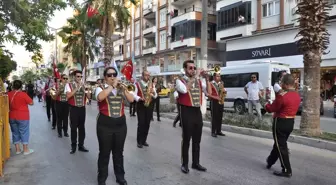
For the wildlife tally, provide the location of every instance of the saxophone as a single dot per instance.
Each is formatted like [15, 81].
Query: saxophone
[222, 93]
[148, 97]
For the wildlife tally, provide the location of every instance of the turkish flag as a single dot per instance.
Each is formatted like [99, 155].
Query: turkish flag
[127, 70]
[91, 12]
[56, 72]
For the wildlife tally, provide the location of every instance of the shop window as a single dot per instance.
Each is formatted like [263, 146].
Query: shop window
[234, 16]
[237, 80]
[271, 8]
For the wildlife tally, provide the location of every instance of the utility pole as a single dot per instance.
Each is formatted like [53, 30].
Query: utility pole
[204, 44]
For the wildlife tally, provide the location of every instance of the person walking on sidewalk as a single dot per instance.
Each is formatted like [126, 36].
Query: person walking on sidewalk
[62, 107]
[111, 126]
[156, 101]
[214, 91]
[190, 99]
[19, 117]
[144, 88]
[285, 107]
[76, 95]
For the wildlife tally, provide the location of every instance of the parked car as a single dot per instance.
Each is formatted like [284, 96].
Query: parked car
[321, 104]
[165, 92]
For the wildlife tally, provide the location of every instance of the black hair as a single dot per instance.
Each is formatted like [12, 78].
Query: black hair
[76, 72]
[108, 68]
[55, 79]
[281, 72]
[154, 78]
[17, 84]
[63, 75]
[288, 79]
[185, 63]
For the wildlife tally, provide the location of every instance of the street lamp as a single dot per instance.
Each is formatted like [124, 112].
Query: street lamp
[55, 30]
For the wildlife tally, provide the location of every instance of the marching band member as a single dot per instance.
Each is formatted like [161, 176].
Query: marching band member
[111, 126]
[177, 118]
[190, 99]
[144, 93]
[76, 95]
[285, 107]
[62, 107]
[277, 85]
[214, 91]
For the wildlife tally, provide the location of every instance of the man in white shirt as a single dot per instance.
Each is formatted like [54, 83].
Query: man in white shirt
[254, 89]
[190, 100]
[144, 112]
[277, 86]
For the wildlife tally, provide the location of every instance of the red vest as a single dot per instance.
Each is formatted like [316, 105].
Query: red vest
[112, 106]
[142, 90]
[78, 99]
[193, 98]
[62, 97]
[214, 89]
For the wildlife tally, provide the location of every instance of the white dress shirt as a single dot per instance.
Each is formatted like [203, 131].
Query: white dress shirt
[135, 94]
[99, 90]
[181, 87]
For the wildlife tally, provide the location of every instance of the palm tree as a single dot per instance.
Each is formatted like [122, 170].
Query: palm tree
[112, 13]
[80, 37]
[314, 40]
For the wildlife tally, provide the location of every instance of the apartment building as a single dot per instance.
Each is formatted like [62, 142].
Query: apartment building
[163, 34]
[265, 30]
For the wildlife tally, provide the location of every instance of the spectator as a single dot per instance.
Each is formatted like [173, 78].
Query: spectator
[254, 90]
[19, 117]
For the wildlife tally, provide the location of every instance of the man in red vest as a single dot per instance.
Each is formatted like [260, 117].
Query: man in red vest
[144, 112]
[214, 91]
[190, 100]
[62, 107]
[75, 92]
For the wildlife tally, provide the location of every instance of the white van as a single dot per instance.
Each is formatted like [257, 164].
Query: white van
[236, 77]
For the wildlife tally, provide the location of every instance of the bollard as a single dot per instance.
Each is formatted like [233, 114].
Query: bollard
[4, 129]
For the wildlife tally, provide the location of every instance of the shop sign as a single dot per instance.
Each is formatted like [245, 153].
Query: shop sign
[281, 50]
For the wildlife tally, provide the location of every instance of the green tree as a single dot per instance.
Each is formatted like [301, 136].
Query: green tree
[7, 65]
[15, 77]
[80, 38]
[37, 59]
[314, 40]
[29, 75]
[61, 67]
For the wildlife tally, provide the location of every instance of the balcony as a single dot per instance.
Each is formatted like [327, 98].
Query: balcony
[181, 2]
[149, 10]
[150, 49]
[191, 13]
[149, 31]
[190, 42]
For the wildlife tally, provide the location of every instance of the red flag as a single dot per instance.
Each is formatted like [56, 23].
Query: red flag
[127, 70]
[91, 12]
[56, 73]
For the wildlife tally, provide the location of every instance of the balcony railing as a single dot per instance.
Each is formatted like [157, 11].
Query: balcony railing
[194, 9]
[149, 46]
[332, 2]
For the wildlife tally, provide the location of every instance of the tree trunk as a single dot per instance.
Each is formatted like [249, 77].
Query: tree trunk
[310, 119]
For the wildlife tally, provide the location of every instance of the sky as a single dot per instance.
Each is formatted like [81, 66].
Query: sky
[22, 57]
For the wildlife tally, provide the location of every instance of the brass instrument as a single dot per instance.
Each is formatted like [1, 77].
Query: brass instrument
[130, 87]
[222, 93]
[53, 93]
[210, 72]
[148, 97]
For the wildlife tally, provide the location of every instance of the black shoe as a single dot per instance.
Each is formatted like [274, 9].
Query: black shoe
[73, 150]
[174, 125]
[60, 135]
[140, 145]
[101, 183]
[121, 182]
[268, 166]
[185, 168]
[198, 167]
[66, 135]
[159, 119]
[220, 134]
[146, 144]
[283, 174]
[213, 135]
[82, 149]
[53, 128]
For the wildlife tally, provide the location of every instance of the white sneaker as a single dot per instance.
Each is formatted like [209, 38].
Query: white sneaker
[29, 152]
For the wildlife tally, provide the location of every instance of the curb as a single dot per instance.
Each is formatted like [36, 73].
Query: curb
[317, 143]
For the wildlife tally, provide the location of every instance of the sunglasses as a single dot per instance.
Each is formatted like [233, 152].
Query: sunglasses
[253, 77]
[65, 78]
[111, 74]
[79, 76]
[192, 68]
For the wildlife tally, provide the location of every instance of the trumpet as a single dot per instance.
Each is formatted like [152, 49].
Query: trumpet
[210, 72]
[130, 87]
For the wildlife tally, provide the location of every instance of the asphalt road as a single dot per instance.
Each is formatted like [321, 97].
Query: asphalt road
[234, 159]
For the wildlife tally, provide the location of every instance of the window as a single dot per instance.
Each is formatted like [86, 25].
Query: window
[128, 35]
[137, 47]
[137, 12]
[191, 29]
[163, 38]
[128, 50]
[235, 16]
[163, 16]
[237, 80]
[271, 8]
[137, 29]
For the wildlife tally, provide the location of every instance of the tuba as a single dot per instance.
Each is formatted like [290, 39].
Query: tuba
[148, 97]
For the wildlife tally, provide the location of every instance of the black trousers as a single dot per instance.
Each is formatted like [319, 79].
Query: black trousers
[282, 128]
[48, 106]
[62, 109]
[51, 106]
[144, 115]
[111, 134]
[216, 116]
[192, 124]
[132, 108]
[156, 103]
[177, 118]
[77, 122]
